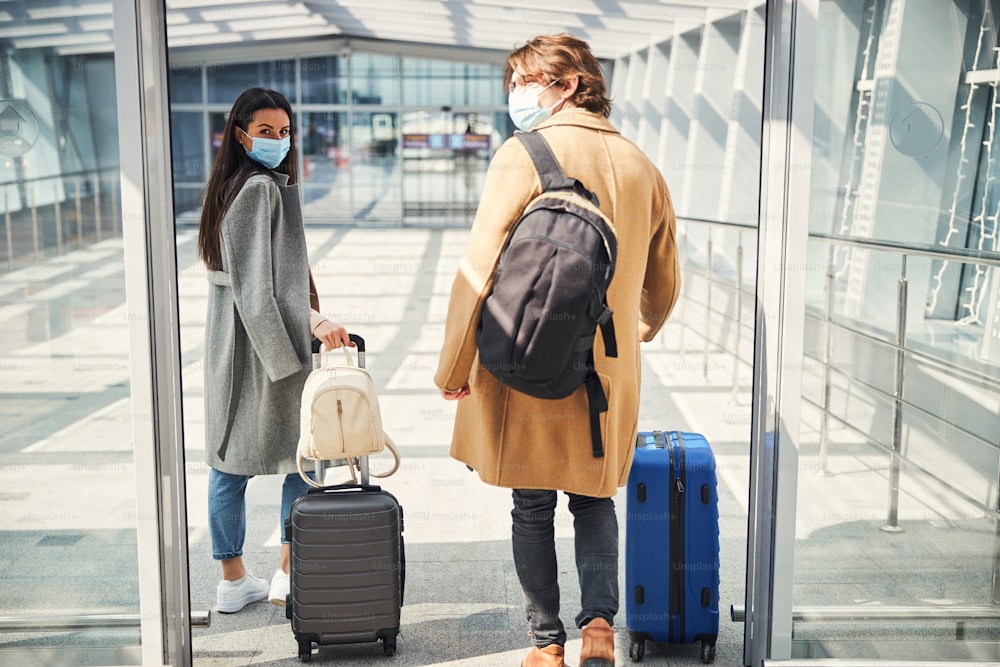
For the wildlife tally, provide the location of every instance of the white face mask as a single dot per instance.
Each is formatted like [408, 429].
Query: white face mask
[522, 105]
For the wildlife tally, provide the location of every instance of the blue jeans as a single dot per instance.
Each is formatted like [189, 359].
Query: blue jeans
[595, 528]
[227, 510]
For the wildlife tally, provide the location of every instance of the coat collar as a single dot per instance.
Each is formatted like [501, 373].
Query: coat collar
[276, 176]
[581, 118]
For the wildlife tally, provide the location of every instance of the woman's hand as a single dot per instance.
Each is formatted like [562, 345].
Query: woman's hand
[456, 395]
[332, 334]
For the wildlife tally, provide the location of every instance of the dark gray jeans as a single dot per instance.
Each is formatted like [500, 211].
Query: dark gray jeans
[595, 529]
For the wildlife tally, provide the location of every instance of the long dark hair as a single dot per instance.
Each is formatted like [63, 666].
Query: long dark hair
[233, 167]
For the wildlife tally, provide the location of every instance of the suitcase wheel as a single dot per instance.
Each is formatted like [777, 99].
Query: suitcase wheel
[305, 651]
[707, 652]
[389, 646]
[637, 649]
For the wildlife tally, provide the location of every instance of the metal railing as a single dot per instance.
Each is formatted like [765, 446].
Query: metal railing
[959, 615]
[714, 281]
[58, 211]
[62, 623]
[52, 215]
[743, 328]
[900, 351]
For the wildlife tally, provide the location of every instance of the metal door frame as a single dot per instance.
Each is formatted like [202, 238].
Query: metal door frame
[154, 330]
[789, 66]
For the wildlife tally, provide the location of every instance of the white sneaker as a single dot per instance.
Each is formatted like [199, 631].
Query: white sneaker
[280, 587]
[231, 596]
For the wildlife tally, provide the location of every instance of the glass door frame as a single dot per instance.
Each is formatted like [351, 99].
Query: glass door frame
[154, 331]
[789, 68]
[151, 275]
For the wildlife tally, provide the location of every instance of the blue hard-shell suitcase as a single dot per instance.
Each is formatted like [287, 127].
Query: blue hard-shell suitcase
[672, 543]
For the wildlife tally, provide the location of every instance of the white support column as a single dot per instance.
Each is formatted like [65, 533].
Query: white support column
[616, 91]
[875, 141]
[622, 111]
[633, 93]
[654, 103]
[681, 109]
[713, 88]
[906, 153]
[695, 159]
[740, 187]
[668, 134]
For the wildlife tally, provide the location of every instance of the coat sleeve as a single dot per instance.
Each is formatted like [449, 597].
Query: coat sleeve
[246, 242]
[662, 282]
[511, 182]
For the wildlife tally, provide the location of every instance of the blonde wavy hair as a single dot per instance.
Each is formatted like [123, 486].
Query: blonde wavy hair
[548, 58]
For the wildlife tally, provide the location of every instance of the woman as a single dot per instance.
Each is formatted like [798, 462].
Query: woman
[262, 308]
[537, 447]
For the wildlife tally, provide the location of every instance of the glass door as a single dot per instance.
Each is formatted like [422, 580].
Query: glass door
[68, 499]
[92, 524]
[445, 155]
[877, 461]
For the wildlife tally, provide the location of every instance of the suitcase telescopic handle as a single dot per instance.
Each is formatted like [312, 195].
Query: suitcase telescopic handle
[346, 487]
[358, 341]
[359, 345]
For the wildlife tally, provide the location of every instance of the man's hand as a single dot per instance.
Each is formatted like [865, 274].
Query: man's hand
[456, 395]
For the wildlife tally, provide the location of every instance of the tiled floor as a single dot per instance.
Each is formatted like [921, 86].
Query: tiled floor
[67, 509]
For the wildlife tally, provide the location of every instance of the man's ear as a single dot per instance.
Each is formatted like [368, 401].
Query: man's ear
[569, 86]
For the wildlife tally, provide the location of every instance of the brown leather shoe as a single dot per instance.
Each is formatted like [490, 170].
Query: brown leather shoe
[598, 644]
[550, 656]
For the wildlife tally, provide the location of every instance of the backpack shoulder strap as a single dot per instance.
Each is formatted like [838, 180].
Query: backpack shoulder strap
[549, 172]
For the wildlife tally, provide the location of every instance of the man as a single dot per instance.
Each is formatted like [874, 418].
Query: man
[537, 447]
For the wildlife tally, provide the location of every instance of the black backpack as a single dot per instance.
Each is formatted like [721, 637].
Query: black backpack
[548, 299]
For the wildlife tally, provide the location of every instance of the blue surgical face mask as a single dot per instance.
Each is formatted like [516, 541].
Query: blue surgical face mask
[268, 152]
[522, 105]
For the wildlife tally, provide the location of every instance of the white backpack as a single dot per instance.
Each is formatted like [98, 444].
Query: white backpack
[340, 417]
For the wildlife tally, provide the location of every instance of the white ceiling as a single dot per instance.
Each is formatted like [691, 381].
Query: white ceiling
[611, 27]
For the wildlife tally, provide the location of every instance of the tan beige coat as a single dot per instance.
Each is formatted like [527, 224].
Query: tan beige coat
[516, 441]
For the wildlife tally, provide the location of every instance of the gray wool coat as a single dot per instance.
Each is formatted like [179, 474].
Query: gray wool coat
[257, 338]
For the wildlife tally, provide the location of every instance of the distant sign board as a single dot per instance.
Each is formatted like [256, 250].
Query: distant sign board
[469, 142]
[415, 141]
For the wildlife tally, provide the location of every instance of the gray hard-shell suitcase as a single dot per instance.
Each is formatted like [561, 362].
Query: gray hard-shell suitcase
[347, 567]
